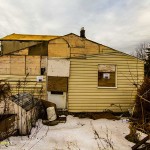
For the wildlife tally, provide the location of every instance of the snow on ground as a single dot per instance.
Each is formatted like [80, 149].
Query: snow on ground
[75, 134]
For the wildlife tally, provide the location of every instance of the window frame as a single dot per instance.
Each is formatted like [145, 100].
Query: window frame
[107, 87]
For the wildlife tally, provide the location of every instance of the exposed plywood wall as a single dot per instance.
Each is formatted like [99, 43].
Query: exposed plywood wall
[92, 48]
[22, 52]
[73, 46]
[5, 65]
[44, 62]
[57, 84]
[83, 92]
[58, 48]
[17, 65]
[21, 83]
[75, 41]
[12, 46]
[21, 65]
[81, 46]
[39, 49]
[33, 66]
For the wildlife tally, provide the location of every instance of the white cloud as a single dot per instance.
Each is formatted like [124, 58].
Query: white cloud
[118, 24]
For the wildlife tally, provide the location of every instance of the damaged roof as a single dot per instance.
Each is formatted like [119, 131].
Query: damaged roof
[28, 37]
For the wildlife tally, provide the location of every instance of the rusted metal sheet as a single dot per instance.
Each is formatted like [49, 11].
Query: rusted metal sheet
[57, 84]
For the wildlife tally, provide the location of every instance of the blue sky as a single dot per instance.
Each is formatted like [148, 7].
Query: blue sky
[120, 24]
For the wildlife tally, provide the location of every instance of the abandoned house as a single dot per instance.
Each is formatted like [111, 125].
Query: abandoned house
[75, 73]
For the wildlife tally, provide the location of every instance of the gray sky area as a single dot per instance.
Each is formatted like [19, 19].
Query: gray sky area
[120, 24]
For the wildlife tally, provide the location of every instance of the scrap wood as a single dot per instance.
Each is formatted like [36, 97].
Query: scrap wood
[140, 142]
[55, 122]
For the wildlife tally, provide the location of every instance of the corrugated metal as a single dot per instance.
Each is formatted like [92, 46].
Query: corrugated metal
[84, 94]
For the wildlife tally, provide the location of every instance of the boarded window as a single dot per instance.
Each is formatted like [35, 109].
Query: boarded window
[106, 75]
[57, 84]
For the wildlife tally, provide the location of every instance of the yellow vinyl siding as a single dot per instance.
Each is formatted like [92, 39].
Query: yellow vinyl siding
[83, 92]
[25, 84]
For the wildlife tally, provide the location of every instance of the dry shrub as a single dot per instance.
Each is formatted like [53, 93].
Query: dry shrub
[142, 107]
[5, 90]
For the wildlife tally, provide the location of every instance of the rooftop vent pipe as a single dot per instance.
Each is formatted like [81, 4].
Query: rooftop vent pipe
[82, 32]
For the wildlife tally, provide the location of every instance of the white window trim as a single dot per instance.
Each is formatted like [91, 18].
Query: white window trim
[116, 83]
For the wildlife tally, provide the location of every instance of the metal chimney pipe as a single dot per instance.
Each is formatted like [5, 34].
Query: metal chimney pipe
[82, 32]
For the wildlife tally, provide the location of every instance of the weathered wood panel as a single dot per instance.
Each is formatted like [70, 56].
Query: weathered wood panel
[39, 49]
[21, 65]
[12, 46]
[33, 66]
[5, 65]
[17, 65]
[76, 47]
[44, 65]
[44, 62]
[22, 52]
[58, 48]
[57, 84]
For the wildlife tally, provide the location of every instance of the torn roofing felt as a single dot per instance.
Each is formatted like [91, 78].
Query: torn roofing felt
[25, 100]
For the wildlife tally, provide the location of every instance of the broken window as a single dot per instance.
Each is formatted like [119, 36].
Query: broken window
[106, 76]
